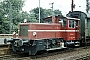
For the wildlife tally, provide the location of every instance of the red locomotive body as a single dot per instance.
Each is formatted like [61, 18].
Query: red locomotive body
[68, 30]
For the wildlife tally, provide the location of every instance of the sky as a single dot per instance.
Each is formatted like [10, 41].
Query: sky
[62, 5]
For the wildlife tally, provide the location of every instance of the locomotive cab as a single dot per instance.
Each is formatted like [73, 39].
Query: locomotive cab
[70, 31]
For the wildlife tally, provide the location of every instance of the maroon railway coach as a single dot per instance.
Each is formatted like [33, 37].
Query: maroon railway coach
[55, 33]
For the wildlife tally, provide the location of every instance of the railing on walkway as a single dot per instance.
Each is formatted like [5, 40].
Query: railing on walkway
[6, 35]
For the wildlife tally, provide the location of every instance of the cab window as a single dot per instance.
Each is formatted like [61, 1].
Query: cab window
[72, 23]
[48, 21]
[63, 22]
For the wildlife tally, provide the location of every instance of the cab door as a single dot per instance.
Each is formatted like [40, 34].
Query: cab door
[77, 29]
[71, 30]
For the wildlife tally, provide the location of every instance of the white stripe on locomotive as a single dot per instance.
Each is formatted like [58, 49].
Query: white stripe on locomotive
[53, 30]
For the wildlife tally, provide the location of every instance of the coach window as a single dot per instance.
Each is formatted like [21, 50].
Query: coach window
[71, 23]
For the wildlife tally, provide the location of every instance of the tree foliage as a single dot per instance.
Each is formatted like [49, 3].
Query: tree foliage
[44, 13]
[10, 14]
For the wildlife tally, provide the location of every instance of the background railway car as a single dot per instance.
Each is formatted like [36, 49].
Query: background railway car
[57, 32]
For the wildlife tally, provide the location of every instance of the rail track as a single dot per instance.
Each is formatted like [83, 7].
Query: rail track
[68, 54]
[81, 53]
[5, 49]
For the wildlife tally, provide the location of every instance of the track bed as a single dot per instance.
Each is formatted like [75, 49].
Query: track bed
[64, 54]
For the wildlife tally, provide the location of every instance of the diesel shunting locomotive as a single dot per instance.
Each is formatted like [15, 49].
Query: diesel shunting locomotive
[57, 32]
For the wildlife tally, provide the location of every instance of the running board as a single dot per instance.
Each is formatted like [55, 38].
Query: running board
[77, 45]
[55, 48]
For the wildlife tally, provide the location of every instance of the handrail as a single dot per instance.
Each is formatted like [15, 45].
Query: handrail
[7, 34]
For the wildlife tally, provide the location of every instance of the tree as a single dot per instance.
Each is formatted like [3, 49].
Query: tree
[10, 15]
[29, 16]
[57, 12]
[44, 13]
